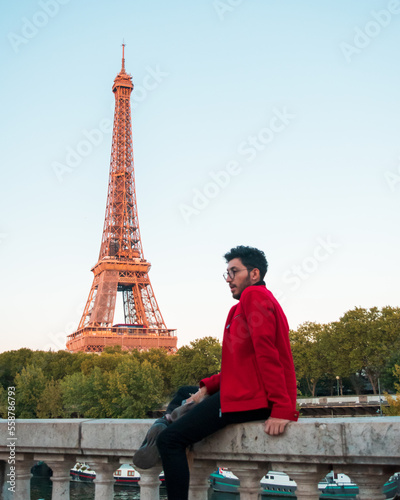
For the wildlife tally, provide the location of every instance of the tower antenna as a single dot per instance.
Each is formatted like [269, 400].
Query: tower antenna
[123, 55]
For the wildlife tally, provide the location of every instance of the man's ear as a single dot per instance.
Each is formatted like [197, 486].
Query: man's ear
[255, 275]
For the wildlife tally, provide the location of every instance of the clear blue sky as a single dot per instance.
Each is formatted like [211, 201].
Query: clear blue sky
[296, 103]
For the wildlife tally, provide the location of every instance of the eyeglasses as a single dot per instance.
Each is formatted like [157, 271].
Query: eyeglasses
[231, 273]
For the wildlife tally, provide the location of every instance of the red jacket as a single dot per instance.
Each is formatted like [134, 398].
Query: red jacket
[257, 368]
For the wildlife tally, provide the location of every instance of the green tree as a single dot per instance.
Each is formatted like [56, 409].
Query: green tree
[96, 394]
[202, 358]
[50, 402]
[56, 365]
[309, 353]
[388, 377]
[86, 395]
[365, 340]
[394, 401]
[164, 361]
[3, 402]
[11, 363]
[73, 390]
[30, 384]
[106, 361]
[129, 391]
[134, 388]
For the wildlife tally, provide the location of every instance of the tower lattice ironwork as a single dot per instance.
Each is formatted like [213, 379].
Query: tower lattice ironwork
[121, 266]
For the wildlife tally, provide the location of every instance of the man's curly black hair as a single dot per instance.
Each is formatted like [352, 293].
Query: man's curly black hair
[251, 257]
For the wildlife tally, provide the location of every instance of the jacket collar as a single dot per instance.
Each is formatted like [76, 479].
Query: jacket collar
[261, 282]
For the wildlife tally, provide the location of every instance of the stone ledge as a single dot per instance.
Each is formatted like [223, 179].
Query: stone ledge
[52, 435]
[369, 440]
[329, 441]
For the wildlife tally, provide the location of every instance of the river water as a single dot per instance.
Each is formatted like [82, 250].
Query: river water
[80, 490]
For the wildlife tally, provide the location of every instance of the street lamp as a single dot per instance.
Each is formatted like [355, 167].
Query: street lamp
[337, 379]
[380, 399]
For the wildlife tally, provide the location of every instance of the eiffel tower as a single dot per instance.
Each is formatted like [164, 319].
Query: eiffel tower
[121, 266]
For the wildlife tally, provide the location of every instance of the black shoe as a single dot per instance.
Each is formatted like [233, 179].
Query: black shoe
[147, 455]
[182, 410]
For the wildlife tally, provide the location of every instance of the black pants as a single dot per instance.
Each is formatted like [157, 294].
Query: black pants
[204, 419]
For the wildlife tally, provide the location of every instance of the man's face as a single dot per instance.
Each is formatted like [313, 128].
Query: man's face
[241, 279]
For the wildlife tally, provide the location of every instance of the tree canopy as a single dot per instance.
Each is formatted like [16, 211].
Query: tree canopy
[201, 359]
[364, 344]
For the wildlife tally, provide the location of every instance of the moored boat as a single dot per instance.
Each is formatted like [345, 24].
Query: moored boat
[82, 472]
[337, 486]
[272, 484]
[224, 480]
[278, 484]
[125, 474]
[392, 487]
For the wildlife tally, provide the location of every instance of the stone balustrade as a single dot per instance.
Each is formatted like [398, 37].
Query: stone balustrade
[367, 449]
[358, 399]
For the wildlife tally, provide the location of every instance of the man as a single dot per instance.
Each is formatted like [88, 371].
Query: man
[257, 379]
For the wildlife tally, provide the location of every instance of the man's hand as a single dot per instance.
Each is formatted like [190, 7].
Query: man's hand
[198, 396]
[275, 426]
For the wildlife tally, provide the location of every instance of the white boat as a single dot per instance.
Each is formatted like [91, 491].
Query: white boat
[224, 480]
[82, 472]
[126, 474]
[278, 484]
[337, 486]
[273, 483]
[392, 487]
